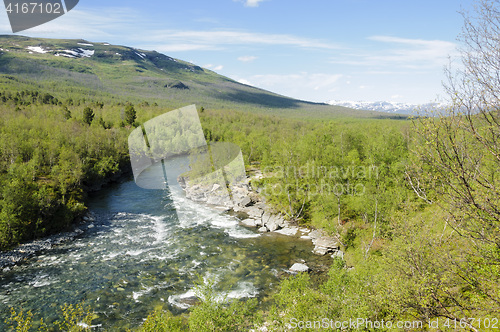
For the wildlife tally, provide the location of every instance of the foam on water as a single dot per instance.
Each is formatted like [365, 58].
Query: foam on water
[243, 289]
[240, 232]
[159, 228]
[42, 280]
[176, 300]
[138, 294]
[193, 214]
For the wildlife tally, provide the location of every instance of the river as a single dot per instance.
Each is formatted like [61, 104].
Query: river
[144, 251]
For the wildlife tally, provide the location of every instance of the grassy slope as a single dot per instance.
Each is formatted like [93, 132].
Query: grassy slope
[119, 72]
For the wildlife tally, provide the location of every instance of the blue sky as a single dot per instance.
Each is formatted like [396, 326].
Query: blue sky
[362, 50]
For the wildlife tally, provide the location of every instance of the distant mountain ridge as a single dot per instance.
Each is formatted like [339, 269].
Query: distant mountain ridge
[65, 67]
[387, 106]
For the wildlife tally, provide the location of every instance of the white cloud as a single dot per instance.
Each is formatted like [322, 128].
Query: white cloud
[416, 50]
[219, 67]
[251, 3]
[247, 58]
[96, 24]
[217, 39]
[179, 47]
[110, 24]
[414, 54]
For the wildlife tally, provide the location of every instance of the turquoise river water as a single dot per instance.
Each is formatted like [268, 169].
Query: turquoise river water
[145, 250]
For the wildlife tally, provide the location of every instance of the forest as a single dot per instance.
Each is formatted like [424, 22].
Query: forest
[414, 203]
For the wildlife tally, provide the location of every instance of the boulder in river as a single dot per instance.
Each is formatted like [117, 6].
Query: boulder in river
[299, 267]
[289, 231]
[253, 211]
[189, 301]
[249, 222]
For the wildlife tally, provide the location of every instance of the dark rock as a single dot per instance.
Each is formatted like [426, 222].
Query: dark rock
[178, 85]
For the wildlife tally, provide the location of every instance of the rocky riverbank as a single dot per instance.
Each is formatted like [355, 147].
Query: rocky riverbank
[23, 252]
[257, 214]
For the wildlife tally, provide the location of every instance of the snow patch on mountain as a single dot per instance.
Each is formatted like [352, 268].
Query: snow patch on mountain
[388, 106]
[73, 53]
[76, 53]
[37, 49]
[86, 53]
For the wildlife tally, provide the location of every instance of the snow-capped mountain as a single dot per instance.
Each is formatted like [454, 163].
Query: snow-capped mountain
[386, 106]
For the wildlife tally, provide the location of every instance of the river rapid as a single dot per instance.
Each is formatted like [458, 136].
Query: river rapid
[145, 250]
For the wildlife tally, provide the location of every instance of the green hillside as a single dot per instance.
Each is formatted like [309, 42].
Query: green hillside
[67, 68]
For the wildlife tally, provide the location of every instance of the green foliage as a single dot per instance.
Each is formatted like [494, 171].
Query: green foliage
[345, 295]
[214, 314]
[20, 321]
[130, 114]
[297, 299]
[47, 160]
[66, 112]
[74, 318]
[88, 115]
[322, 174]
[163, 321]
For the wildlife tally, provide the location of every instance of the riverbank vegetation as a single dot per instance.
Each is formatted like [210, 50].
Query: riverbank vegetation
[51, 154]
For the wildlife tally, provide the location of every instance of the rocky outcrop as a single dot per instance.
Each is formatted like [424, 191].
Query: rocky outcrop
[325, 245]
[242, 198]
[177, 85]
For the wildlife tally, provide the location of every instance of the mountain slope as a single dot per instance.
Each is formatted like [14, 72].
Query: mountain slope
[66, 67]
